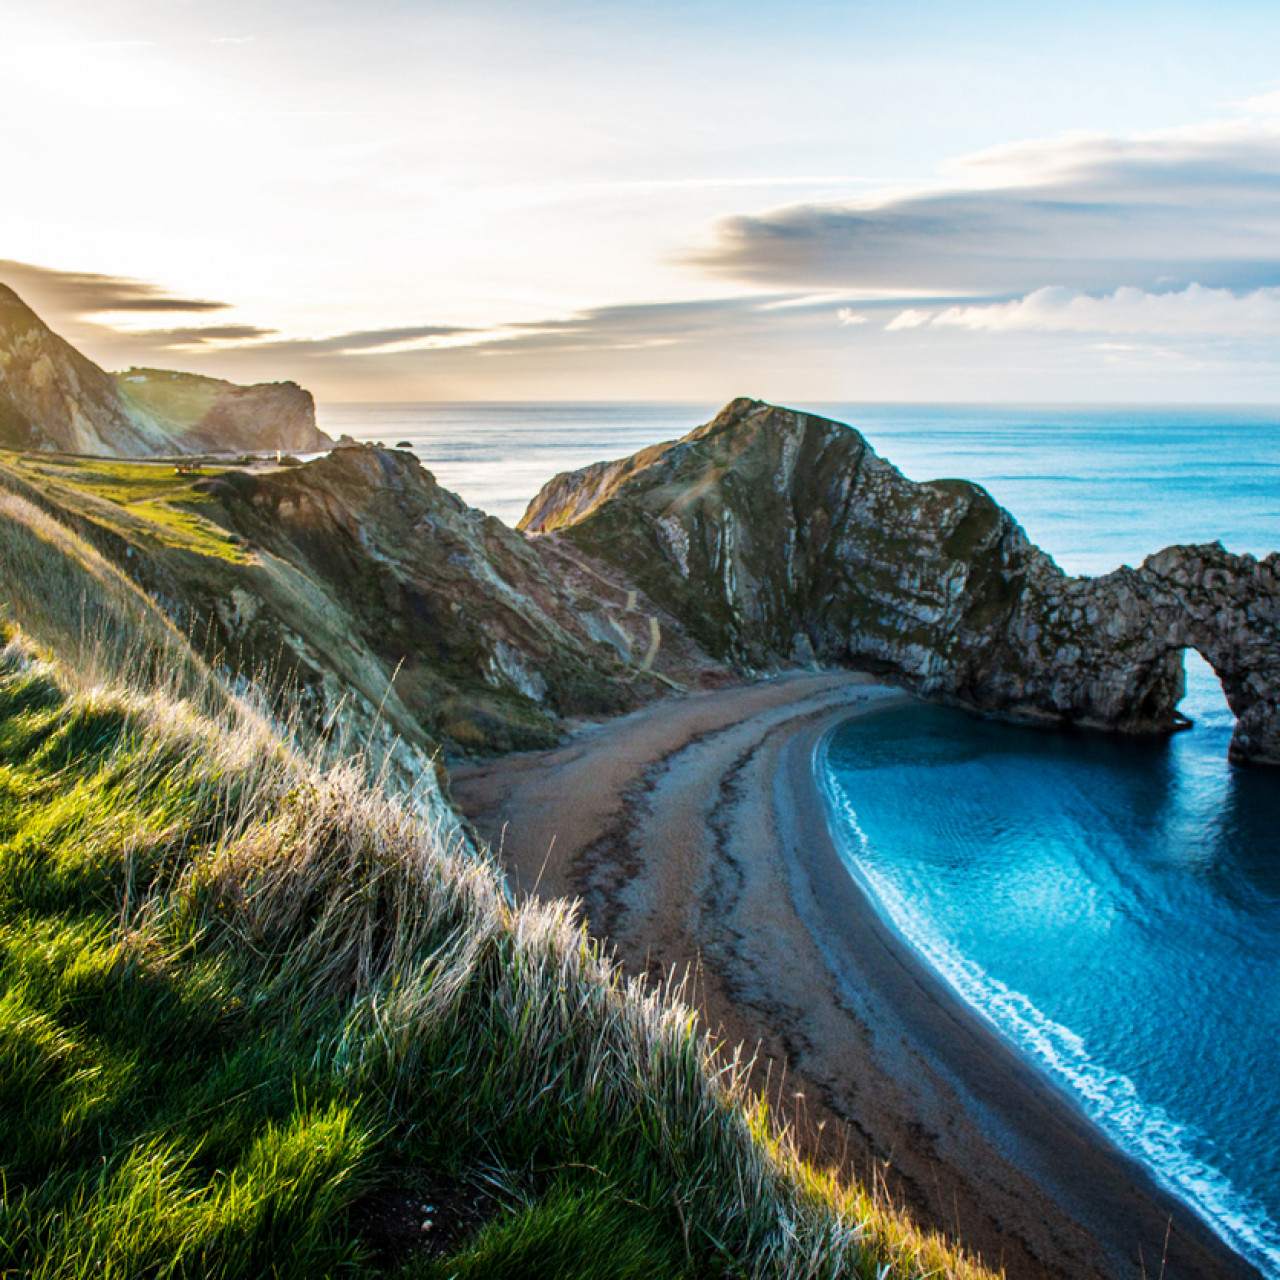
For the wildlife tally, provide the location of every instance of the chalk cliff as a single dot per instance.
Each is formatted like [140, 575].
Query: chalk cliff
[777, 537]
[210, 415]
[53, 398]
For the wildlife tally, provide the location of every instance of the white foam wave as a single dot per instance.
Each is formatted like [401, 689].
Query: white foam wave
[1108, 1098]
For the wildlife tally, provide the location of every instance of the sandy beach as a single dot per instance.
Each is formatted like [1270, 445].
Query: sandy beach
[694, 834]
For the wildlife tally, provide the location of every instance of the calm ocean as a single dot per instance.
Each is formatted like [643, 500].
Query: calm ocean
[1111, 906]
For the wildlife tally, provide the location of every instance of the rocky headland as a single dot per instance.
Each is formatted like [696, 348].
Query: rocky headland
[765, 540]
[781, 538]
[371, 606]
[54, 399]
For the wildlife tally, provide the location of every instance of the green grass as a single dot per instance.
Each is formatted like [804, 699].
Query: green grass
[182, 398]
[239, 995]
[151, 501]
[568, 1231]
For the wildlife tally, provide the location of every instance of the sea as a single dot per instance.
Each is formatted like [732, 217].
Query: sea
[1110, 906]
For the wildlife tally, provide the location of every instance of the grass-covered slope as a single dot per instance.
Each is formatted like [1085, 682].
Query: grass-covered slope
[252, 1012]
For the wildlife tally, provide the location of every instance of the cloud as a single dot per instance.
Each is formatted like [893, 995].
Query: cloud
[1264, 104]
[201, 335]
[82, 293]
[368, 341]
[1090, 213]
[911, 318]
[1191, 311]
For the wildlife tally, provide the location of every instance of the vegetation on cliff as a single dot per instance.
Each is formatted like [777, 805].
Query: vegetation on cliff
[53, 398]
[247, 1005]
[377, 605]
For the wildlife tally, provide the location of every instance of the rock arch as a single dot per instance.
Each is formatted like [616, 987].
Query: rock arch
[1107, 651]
[777, 536]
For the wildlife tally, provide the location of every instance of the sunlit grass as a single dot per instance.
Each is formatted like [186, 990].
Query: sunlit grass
[146, 500]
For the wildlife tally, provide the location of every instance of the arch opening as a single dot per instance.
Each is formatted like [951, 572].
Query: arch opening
[1203, 700]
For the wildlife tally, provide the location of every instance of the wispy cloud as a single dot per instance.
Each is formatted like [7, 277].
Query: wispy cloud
[369, 341]
[83, 293]
[1194, 310]
[911, 318]
[200, 335]
[1090, 213]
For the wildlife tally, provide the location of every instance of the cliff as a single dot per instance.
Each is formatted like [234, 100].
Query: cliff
[363, 598]
[209, 415]
[778, 537]
[52, 398]
[763, 539]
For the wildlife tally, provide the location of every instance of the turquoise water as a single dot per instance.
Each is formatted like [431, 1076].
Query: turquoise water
[1111, 906]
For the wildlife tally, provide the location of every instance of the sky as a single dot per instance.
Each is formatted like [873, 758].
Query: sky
[608, 200]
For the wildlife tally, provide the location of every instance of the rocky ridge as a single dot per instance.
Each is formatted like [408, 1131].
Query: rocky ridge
[371, 603]
[386, 609]
[778, 537]
[53, 398]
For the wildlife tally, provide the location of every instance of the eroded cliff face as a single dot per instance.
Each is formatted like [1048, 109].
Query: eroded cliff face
[52, 398]
[377, 606]
[208, 415]
[493, 640]
[778, 537]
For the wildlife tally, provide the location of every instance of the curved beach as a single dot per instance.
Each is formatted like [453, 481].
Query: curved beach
[695, 834]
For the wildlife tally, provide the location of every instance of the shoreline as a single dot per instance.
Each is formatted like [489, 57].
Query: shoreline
[1107, 1190]
[1056, 1087]
[695, 833]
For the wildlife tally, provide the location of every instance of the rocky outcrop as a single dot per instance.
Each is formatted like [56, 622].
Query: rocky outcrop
[52, 397]
[494, 641]
[209, 415]
[1108, 650]
[55, 399]
[777, 537]
[371, 603]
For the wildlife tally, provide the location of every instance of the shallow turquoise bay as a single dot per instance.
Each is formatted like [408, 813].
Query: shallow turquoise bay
[1113, 908]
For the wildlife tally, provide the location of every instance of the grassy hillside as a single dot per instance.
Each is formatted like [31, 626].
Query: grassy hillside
[257, 1019]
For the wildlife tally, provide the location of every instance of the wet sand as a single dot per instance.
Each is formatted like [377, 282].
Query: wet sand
[694, 833]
